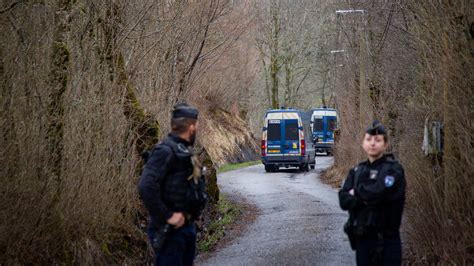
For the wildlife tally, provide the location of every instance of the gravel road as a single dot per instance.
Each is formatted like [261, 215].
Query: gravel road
[299, 223]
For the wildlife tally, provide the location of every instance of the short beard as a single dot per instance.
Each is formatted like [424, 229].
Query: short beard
[192, 138]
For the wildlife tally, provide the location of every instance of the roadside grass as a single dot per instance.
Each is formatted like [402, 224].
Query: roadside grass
[235, 166]
[228, 214]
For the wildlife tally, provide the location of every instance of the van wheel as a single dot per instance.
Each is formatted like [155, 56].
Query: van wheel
[312, 166]
[268, 168]
[304, 167]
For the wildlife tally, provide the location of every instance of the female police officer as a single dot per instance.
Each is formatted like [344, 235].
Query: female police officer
[374, 195]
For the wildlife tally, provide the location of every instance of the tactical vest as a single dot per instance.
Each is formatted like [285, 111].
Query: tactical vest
[179, 192]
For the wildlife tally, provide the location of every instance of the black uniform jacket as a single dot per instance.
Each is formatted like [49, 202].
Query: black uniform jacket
[379, 186]
[161, 164]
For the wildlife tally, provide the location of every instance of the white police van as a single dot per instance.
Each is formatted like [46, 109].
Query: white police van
[286, 140]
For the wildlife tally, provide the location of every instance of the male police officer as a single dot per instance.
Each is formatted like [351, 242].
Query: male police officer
[374, 195]
[172, 189]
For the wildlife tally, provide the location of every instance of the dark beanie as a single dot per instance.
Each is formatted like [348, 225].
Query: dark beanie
[183, 110]
[376, 128]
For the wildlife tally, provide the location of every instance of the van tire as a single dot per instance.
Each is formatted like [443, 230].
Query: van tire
[312, 166]
[268, 168]
[304, 167]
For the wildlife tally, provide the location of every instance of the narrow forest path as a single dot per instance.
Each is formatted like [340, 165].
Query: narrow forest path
[300, 222]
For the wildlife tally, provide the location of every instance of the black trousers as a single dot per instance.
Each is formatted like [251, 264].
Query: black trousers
[179, 248]
[367, 248]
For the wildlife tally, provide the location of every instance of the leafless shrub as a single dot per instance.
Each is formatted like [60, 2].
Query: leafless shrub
[123, 66]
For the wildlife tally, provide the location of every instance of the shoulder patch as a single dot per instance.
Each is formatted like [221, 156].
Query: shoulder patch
[389, 181]
[182, 148]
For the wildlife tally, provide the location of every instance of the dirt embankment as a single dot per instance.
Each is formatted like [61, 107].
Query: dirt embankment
[228, 138]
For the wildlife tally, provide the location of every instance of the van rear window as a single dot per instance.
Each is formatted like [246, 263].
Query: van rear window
[291, 130]
[274, 132]
[318, 125]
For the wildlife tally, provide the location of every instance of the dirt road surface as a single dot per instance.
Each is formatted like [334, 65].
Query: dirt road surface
[299, 223]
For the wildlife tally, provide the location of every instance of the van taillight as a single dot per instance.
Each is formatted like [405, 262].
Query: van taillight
[264, 147]
[303, 149]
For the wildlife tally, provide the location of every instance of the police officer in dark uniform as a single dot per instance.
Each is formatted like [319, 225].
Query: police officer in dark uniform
[374, 195]
[173, 191]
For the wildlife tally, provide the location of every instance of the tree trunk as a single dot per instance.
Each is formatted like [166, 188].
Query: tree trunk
[274, 56]
[58, 80]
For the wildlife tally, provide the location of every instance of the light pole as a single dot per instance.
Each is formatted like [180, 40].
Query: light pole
[337, 51]
[365, 110]
[346, 11]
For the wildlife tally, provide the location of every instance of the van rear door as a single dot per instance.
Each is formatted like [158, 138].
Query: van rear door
[274, 143]
[290, 136]
[331, 125]
[318, 128]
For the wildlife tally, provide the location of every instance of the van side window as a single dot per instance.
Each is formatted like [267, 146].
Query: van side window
[274, 132]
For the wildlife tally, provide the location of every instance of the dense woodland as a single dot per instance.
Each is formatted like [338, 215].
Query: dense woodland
[87, 87]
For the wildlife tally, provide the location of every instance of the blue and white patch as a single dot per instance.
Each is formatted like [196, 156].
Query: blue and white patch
[389, 181]
[182, 148]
